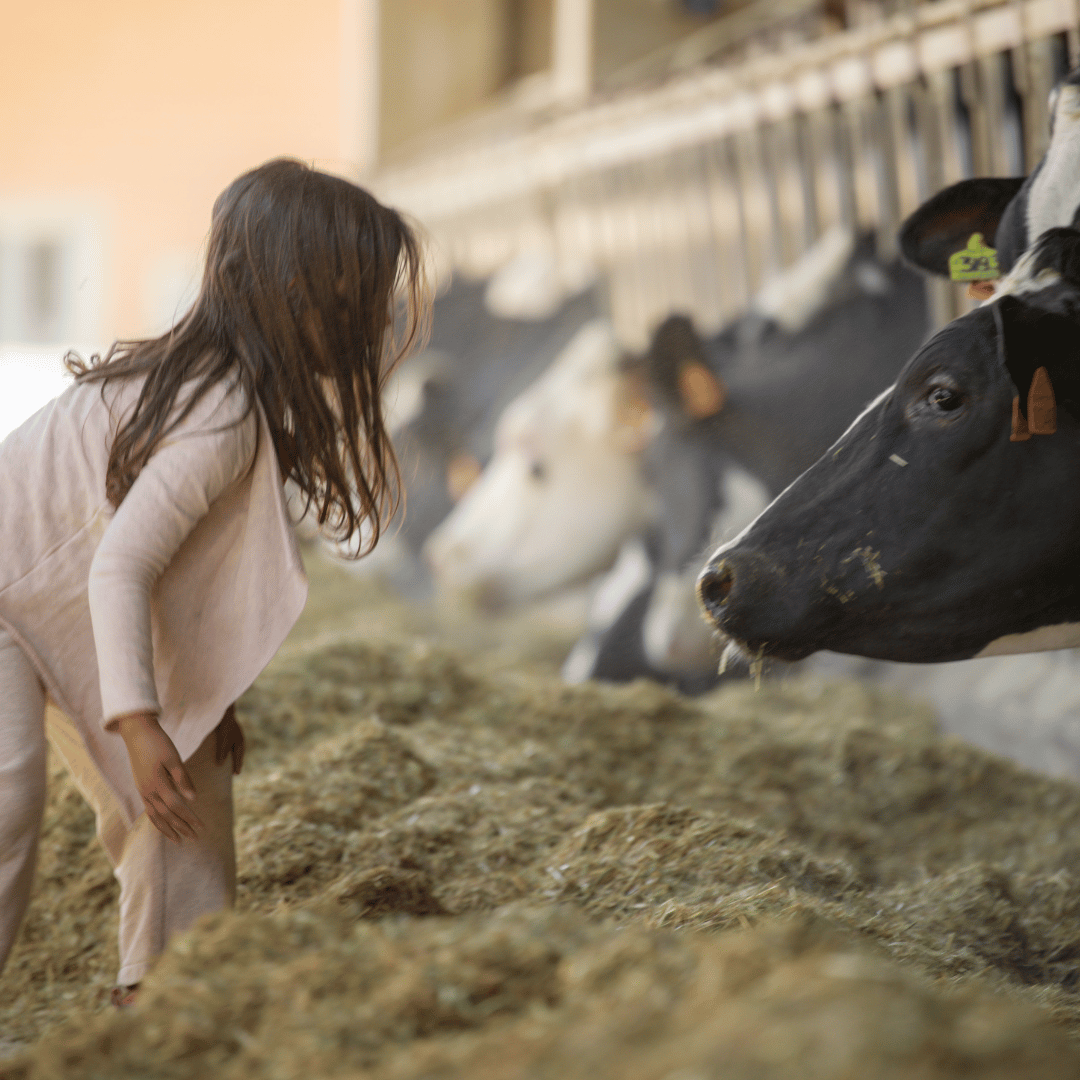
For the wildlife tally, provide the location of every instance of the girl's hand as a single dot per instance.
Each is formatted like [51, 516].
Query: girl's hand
[160, 776]
[229, 738]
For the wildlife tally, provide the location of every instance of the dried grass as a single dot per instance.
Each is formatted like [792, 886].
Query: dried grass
[459, 866]
[544, 992]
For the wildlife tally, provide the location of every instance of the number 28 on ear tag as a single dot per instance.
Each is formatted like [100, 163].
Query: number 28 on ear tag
[975, 263]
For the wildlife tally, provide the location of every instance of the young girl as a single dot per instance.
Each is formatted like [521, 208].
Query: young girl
[148, 571]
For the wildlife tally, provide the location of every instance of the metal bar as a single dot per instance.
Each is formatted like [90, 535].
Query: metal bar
[761, 254]
[791, 209]
[1039, 73]
[859, 123]
[725, 218]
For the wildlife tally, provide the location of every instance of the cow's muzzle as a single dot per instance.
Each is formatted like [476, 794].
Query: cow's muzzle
[714, 585]
[754, 601]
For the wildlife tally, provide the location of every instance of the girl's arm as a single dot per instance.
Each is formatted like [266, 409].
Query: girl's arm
[172, 493]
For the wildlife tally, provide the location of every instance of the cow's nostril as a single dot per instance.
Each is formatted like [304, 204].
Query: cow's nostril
[714, 586]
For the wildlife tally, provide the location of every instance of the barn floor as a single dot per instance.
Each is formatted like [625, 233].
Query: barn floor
[453, 865]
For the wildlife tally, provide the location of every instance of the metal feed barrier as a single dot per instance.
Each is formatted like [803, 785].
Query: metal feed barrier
[688, 195]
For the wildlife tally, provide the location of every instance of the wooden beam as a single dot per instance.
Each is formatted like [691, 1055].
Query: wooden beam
[358, 113]
[572, 51]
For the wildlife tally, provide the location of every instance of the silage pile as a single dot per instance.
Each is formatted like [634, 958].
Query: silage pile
[454, 867]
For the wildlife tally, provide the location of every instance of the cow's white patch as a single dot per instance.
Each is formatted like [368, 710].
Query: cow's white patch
[871, 278]
[744, 497]
[797, 294]
[616, 589]
[527, 287]
[1055, 192]
[620, 584]
[1045, 639]
[1021, 279]
[674, 634]
[561, 493]
[534, 284]
[896, 459]
[578, 666]
[578, 389]
[403, 398]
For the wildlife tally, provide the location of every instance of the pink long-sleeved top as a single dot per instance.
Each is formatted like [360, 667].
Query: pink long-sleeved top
[172, 603]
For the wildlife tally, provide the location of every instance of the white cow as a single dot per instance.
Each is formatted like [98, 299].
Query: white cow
[564, 487]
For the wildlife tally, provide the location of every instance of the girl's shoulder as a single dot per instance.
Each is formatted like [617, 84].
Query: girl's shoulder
[222, 405]
[220, 434]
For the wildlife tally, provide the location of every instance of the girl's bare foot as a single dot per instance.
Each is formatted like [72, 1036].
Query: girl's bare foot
[123, 997]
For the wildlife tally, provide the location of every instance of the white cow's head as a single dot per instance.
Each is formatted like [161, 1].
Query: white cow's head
[563, 488]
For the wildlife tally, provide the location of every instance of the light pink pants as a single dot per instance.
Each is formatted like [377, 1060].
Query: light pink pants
[164, 887]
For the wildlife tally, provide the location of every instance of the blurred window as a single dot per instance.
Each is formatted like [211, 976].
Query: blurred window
[35, 295]
[43, 289]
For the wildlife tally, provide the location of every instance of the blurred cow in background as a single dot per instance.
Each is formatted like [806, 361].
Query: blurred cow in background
[564, 487]
[741, 415]
[442, 403]
[643, 464]
[800, 371]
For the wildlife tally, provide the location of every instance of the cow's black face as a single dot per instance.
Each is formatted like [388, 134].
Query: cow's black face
[924, 533]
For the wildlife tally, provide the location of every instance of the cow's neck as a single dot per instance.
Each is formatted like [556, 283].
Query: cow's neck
[1052, 198]
[1045, 639]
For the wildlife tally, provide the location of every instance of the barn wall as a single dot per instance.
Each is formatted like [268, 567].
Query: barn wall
[445, 58]
[120, 121]
[690, 193]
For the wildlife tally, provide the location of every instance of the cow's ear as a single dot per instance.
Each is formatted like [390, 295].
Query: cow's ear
[943, 225]
[701, 392]
[680, 372]
[673, 342]
[1030, 338]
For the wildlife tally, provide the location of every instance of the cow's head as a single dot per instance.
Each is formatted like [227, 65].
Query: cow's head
[928, 532]
[563, 488]
[934, 529]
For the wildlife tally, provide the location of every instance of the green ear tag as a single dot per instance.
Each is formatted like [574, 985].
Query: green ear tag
[975, 263]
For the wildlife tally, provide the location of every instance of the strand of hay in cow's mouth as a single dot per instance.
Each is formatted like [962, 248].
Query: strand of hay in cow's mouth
[436, 856]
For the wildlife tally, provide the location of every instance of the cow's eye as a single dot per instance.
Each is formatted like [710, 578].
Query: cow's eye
[537, 471]
[944, 399]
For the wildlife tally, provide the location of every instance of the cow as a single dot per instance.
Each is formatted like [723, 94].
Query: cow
[943, 522]
[563, 488]
[742, 415]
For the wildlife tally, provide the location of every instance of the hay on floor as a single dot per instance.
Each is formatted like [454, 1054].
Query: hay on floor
[455, 866]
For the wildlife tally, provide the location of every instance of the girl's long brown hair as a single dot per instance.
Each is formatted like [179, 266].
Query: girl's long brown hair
[312, 292]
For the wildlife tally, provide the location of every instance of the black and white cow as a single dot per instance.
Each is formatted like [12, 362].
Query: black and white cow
[945, 522]
[782, 392]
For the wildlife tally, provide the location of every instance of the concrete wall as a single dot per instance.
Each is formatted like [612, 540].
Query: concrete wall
[122, 120]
